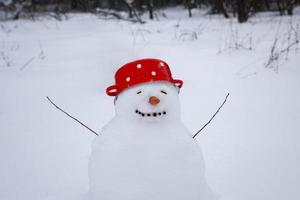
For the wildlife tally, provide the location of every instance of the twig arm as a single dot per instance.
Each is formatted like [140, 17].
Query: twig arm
[82, 124]
[212, 116]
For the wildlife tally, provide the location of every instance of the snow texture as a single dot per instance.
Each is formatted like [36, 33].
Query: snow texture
[251, 149]
[6, 2]
[147, 157]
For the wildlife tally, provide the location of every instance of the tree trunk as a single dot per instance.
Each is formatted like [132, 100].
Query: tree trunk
[33, 5]
[267, 4]
[280, 7]
[129, 7]
[219, 7]
[223, 10]
[190, 12]
[150, 8]
[74, 4]
[242, 11]
[190, 5]
[290, 7]
[112, 4]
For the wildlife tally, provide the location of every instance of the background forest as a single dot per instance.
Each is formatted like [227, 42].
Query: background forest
[242, 9]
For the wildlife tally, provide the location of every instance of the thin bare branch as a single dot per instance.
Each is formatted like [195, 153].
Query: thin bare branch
[27, 63]
[212, 116]
[82, 124]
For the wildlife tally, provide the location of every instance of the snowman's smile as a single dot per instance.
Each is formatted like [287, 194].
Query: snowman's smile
[153, 114]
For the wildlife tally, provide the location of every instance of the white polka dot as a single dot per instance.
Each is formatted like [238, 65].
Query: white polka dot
[139, 66]
[128, 79]
[153, 73]
[162, 64]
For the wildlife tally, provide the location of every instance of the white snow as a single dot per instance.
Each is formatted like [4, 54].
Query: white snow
[6, 2]
[251, 149]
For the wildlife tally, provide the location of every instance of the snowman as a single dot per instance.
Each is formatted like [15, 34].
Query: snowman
[145, 152]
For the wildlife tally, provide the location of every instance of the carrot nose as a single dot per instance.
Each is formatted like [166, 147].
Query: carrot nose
[154, 100]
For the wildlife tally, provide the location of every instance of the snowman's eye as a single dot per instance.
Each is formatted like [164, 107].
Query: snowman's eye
[139, 92]
[164, 92]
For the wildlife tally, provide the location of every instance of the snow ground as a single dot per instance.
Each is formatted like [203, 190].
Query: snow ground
[251, 148]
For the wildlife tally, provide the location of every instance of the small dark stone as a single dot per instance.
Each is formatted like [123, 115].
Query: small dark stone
[136, 111]
[143, 114]
[159, 113]
[154, 114]
[164, 112]
[148, 115]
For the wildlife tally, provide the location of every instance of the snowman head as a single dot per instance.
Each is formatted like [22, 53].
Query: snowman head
[145, 90]
[149, 102]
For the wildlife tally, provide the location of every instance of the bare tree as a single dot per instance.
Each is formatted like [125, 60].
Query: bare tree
[219, 7]
[150, 8]
[190, 4]
[242, 11]
[286, 6]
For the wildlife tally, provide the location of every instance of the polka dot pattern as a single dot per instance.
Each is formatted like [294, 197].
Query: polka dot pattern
[141, 71]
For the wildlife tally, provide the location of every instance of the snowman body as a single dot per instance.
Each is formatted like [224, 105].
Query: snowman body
[145, 152]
